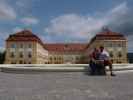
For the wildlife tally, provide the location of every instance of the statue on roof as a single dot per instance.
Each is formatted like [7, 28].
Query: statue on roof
[105, 29]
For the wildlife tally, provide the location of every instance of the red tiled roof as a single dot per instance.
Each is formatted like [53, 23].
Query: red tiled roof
[24, 35]
[27, 35]
[62, 47]
[108, 35]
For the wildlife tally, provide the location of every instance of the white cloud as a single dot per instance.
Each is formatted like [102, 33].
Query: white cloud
[17, 29]
[25, 6]
[26, 3]
[3, 35]
[21, 3]
[117, 14]
[120, 9]
[78, 26]
[29, 20]
[71, 24]
[6, 11]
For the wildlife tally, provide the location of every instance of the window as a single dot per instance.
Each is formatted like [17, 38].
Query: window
[66, 46]
[59, 58]
[123, 44]
[119, 45]
[13, 62]
[108, 44]
[21, 45]
[119, 62]
[112, 60]
[12, 55]
[50, 58]
[119, 54]
[21, 55]
[29, 45]
[29, 55]
[20, 62]
[111, 54]
[13, 45]
[77, 58]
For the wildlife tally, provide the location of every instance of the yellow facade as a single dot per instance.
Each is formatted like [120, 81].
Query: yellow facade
[41, 54]
[61, 58]
[25, 53]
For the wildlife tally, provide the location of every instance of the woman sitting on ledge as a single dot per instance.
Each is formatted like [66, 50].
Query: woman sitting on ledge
[95, 65]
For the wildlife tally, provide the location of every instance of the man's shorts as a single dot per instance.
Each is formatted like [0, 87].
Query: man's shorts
[106, 62]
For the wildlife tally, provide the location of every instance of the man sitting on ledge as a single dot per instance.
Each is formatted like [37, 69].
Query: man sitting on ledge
[105, 59]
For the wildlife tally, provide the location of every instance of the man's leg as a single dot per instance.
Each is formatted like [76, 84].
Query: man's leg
[111, 68]
[103, 69]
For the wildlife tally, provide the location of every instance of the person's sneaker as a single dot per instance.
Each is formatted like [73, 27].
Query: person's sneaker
[113, 74]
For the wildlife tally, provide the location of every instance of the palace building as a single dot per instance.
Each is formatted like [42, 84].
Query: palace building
[114, 43]
[26, 48]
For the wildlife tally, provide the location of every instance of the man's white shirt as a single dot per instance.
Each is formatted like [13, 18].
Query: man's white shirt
[104, 55]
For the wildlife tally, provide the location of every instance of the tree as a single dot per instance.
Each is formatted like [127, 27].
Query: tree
[2, 57]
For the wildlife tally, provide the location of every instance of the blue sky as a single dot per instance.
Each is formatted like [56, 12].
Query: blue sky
[66, 20]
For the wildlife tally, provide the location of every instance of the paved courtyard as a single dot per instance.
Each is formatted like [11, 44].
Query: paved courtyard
[65, 86]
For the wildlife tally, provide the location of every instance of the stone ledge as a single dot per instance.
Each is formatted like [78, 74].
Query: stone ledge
[57, 67]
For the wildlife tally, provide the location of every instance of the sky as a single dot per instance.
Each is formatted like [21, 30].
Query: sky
[66, 20]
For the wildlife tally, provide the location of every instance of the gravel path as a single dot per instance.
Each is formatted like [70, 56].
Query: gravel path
[65, 86]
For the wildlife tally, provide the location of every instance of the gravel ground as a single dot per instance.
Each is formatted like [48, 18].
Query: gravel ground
[65, 86]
